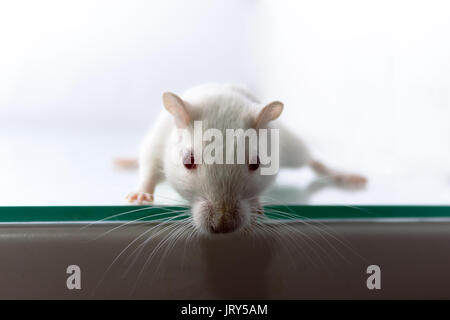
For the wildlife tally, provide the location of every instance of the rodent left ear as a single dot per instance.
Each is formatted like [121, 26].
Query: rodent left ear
[270, 112]
[176, 107]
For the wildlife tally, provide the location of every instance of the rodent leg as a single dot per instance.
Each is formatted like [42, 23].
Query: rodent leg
[126, 163]
[149, 177]
[341, 178]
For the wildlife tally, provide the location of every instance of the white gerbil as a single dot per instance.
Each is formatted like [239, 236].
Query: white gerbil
[224, 197]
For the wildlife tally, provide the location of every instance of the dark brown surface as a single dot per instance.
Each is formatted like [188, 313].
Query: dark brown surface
[287, 262]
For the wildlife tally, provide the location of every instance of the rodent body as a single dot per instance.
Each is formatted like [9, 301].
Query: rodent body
[224, 196]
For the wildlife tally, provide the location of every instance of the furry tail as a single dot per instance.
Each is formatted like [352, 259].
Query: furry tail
[126, 163]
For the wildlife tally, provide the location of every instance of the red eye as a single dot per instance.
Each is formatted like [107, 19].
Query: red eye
[189, 161]
[254, 166]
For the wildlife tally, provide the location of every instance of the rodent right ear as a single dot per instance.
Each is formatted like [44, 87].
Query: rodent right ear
[176, 107]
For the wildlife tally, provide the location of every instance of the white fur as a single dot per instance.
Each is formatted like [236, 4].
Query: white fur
[223, 197]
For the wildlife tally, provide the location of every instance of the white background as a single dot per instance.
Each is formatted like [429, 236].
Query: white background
[367, 84]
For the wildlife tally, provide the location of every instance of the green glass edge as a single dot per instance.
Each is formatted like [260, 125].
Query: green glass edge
[153, 213]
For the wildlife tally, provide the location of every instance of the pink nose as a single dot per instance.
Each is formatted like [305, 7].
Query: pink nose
[224, 224]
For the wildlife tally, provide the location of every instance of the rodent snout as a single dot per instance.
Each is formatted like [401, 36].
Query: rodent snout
[223, 219]
[223, 223]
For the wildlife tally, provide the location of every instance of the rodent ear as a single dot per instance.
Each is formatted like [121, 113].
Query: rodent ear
[176, 107]
[268, 113]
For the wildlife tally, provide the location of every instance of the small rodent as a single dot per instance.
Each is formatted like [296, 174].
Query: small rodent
[224, 197]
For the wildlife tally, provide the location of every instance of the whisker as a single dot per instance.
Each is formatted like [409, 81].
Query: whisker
[126, 248]
[180, 201]
[335, 236]
[319, 232]
[294, 243]
[138, 250]
[152, 254]
[189, 239]
[183, 213]
[127, 212]
[174, 238]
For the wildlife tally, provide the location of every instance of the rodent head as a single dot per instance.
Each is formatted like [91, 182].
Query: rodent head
[223, 194]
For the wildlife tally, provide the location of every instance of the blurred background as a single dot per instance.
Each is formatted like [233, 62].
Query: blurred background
[366, 84]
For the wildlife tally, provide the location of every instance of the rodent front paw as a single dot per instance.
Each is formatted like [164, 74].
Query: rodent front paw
[140, 197]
